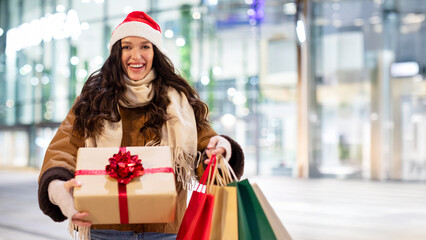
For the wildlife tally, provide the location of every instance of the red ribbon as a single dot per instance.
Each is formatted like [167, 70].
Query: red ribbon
[133, 168]
[104, 172]
[122, 203]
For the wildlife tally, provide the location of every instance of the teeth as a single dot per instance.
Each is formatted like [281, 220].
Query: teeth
[136, 65]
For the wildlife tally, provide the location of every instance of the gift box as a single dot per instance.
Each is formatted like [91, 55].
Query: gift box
[149, 196]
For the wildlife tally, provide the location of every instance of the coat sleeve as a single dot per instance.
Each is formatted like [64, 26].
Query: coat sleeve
[59, 163]
[237, 158]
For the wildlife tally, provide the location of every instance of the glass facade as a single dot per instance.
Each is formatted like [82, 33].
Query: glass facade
[361, 63]
[366, 67]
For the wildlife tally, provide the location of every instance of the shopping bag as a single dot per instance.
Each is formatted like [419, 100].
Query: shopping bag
[276, 224]
[196, 222]
[225, 211]
[252, 221]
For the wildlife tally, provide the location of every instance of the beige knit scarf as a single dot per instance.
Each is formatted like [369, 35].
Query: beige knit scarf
[179, 132]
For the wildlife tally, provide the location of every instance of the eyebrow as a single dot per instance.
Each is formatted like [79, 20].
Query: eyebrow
[128, 42]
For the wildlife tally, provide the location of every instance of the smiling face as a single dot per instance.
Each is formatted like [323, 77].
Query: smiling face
[136, 57]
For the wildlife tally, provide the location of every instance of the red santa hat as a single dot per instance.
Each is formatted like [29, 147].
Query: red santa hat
[138, 24]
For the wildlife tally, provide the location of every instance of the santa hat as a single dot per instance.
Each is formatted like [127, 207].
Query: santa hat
[138, 24]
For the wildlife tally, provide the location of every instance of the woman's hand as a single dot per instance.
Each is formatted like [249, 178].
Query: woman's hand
[78, 217]
[218, 145]
[60, 195]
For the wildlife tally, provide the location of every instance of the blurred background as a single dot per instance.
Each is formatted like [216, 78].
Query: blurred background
[326, 97]
[322, 88]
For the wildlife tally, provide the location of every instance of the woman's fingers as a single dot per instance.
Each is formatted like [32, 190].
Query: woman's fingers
[78, 219]
[212, 143]
[216, 151]
[81, 223]
[71, 183]
[213, 150]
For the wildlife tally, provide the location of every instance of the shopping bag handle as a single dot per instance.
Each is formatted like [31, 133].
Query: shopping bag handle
[228, 173]
[221, 178]
[212, 174]
[207, 173]
[234, 176]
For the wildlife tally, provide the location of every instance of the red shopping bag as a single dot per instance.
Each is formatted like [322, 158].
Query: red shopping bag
[196, 223]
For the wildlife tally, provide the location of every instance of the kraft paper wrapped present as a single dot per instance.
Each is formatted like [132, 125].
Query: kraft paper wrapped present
[150, 198]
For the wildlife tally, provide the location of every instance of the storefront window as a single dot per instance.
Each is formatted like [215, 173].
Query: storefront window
[244, 55]
[407, 89]
[342, 42]
[368, 73]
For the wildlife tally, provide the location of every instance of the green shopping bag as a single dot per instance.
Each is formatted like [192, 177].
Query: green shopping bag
[252, 221]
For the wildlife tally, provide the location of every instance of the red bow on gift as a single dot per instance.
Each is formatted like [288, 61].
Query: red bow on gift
[124, 167]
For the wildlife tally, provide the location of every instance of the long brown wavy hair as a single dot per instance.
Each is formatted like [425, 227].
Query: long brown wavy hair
[99, 97]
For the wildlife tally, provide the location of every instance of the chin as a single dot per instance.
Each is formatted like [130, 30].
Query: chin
[137, 77]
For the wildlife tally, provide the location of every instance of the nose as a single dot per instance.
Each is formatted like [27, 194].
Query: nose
[136, 54]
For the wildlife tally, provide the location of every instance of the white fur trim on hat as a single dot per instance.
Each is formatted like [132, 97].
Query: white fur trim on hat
[136, 29]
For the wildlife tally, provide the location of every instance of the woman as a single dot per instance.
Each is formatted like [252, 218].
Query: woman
[135, 99]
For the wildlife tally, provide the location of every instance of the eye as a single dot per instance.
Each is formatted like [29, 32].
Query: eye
[125, 47]
[146, 47]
